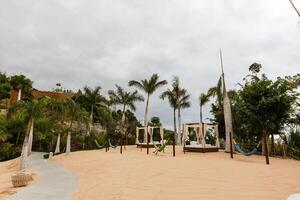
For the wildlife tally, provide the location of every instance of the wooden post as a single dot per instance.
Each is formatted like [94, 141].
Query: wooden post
[147, 140]
[266, 147]
[174, 144]
[107, 143]
[121, 146]
[231, 150]
[283, 150]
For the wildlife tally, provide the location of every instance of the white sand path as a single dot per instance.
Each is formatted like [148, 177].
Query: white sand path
[53, 182]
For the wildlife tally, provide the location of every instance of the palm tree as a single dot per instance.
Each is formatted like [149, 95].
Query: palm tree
[149, 87]
[173, 98]
[183, 102]
[21, 84]
[74, 113]
[217, 91]
[57, 109]
[124, 98]
[31, 111]
[92, 99]
[203, 99]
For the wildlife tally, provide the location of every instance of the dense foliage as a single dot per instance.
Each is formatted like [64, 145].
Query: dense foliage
[260, 105]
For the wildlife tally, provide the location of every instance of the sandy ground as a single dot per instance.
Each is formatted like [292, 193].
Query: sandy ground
[53, 183]
[214, 176]
[7, 168]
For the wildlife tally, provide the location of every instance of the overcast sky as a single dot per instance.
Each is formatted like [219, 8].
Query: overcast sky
[104, 42]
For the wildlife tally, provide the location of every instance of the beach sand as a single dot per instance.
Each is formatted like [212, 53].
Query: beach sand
[7, 168]
[135, 175]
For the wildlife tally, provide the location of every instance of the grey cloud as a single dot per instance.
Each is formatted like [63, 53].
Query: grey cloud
[105, 42]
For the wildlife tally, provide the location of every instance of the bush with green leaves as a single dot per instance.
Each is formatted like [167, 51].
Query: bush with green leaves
[192, 135]
[210, 138]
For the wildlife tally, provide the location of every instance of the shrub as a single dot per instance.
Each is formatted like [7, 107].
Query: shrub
[8, 151]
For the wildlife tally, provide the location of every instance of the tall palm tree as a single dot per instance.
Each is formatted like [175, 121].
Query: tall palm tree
[203, 99]
[149, 87]
[173, 98]
[126, 99]
[183, 102]
[57, 110]
[21, 83]
[92, 99]
[74, 113]
[217, 91]
[31, 111]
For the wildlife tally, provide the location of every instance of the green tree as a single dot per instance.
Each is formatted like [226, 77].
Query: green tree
[5, 86]
[203, 99]
[266, 105]
[16, 127]
[183, 102]
[155, 121]
[173, 98]
[57, 110]
[149, 87]
[31, 111]
[74, 113]
[91, 100]
[125, 99]
[22, 84]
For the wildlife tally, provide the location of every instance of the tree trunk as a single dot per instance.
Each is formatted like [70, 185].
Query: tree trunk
[146, 118]
[201, 114]
[272, 144]
[121, 146]
[179, 128]
[19, 94]
[68, 149]
[265, 142]
[30, 139]
[18, 137]
[123, 131]
[175, 131]
[91, 120]
[57, 148]
[24, 153]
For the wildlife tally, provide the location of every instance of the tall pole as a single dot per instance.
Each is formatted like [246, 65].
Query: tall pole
[295, 7]
[147, 140]
[231, 150]
[222, 69]
[227, 111]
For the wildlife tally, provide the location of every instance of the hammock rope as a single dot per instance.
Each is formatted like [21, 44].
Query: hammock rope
[113, 146]
[243, 152]
[100, 146]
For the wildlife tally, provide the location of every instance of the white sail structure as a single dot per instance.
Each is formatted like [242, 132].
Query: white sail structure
[227, 112]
